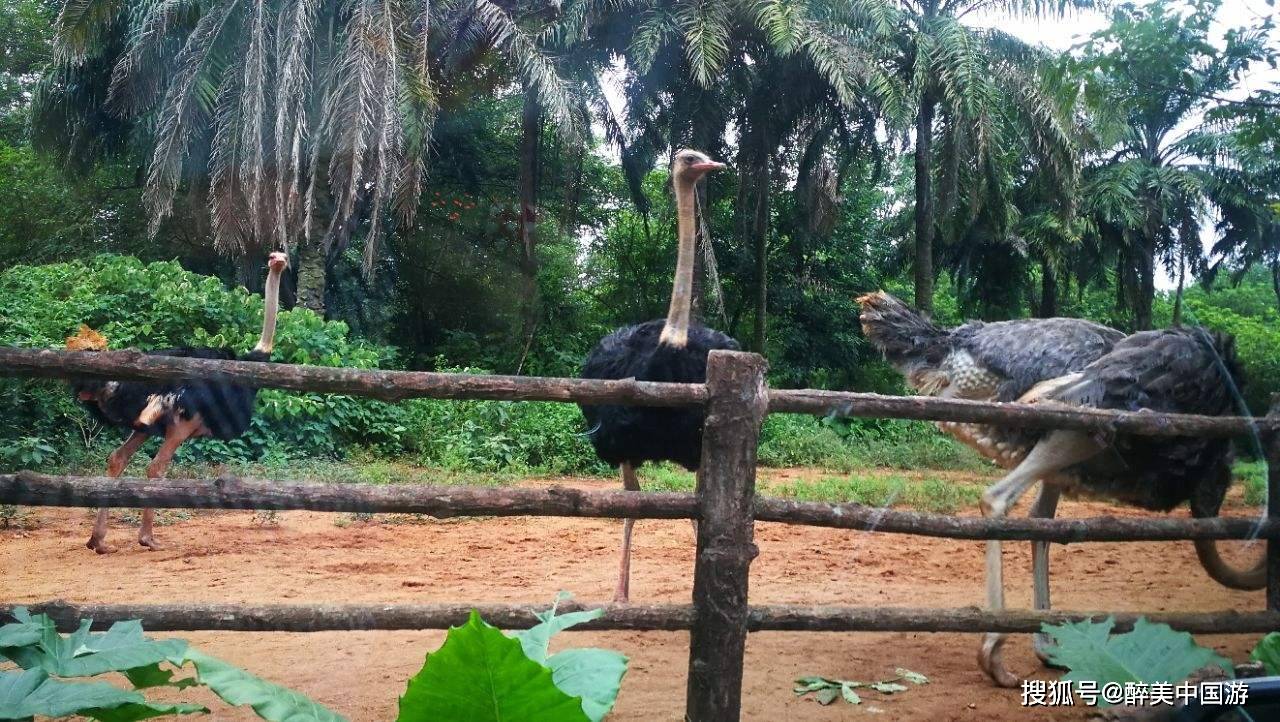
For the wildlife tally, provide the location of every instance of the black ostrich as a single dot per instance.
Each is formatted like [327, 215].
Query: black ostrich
[672, 350]
[177, 410]
[1179, 370]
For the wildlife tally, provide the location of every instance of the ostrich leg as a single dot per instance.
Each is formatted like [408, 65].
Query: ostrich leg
[174, 436]
[631, 483]
[116, 464]
[1054, 453]
[1045, 507]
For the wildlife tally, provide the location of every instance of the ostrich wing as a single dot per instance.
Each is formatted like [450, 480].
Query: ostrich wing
[1025, 352]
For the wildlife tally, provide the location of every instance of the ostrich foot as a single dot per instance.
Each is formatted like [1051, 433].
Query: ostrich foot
[991, 660]
[150, 543]
[1040, 643]
[100, 546]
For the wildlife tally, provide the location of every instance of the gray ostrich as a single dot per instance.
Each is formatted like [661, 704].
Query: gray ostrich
[1069, 361]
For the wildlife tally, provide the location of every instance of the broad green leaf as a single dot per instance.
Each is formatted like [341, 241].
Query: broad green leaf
[1268, 652]
[32, 692]
[271, 701]
[846, 691]
[536, 639]
[595, 675]
[1150, 653]
[86, 654]
[827, 695]
[481, 675]
[152, 676]
[912, 677]
[22, 632]
[888, 687]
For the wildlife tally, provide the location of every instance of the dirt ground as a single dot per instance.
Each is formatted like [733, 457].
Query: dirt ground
[311, 557]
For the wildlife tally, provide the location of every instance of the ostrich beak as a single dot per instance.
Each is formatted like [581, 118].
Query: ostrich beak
[708, 166]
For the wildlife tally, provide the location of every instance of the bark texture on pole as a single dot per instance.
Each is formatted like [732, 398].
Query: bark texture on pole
[373, 383]
[194, 617]
[1039, 416]
[1272, 446]
[736, 406]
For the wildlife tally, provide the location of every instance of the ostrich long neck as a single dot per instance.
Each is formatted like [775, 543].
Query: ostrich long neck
[272, 292]
[676, 331]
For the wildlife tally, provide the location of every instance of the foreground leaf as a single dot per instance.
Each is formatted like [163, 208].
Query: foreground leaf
[595, 675]
[32, 692]
[1268, 652]
[1150, 653]
[481, 675]
[536, 639]
[271, 701]
[86, 654]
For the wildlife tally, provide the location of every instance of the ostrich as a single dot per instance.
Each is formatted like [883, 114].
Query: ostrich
[1178, 370]
[177, 410]
[670, 349]
[1042, 360]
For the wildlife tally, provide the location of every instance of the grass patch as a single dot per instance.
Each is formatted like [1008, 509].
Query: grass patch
[934, 495]
[666, 477]
[846, 445]
[1253, 476]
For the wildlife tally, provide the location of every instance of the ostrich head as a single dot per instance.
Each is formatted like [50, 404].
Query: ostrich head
[688, 166]
[277, 262]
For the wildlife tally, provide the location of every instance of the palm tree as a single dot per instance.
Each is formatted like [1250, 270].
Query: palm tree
[1161, 165]
[965, 77]
[299, 120]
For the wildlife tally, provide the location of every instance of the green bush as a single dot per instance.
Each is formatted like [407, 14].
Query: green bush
[156, 305]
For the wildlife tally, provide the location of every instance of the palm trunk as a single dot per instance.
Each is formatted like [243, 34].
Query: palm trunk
[760, 229]
[1048, 291]
[1275, 282]
[530, 140]
[1182, 281]
[311, 275]
[924, 205]
[1142, 314]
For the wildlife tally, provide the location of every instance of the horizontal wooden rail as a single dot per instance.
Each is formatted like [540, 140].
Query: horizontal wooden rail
[31, 489]
[925, 408]
[399, 385]
[1061, 531]
[662, 617]
[373, 383]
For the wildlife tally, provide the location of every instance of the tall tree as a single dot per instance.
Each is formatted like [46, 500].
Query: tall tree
[307, 121]
[1161, 164]
[963, 77]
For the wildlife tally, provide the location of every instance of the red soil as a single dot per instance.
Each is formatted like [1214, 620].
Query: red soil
[306, 557]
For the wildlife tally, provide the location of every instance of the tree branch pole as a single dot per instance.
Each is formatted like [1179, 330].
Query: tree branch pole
[736, 407]
[924, 408]
[372, 383]
[399, 385]
[1271, 445]
[30, 489]
[661, 617]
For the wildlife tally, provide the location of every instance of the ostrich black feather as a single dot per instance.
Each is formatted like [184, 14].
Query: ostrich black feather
[1020, 353]
[225, 409]
[637, 434]
[1178, 370]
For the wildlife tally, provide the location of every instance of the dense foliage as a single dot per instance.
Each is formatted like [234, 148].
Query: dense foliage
[511, 206]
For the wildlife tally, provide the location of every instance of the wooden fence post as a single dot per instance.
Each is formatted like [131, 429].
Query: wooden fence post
[736, 406]
[1271, 447]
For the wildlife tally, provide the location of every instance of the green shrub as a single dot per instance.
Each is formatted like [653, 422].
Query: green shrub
[157, 305]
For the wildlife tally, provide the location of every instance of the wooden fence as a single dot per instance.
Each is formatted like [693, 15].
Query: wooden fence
[719, 616]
